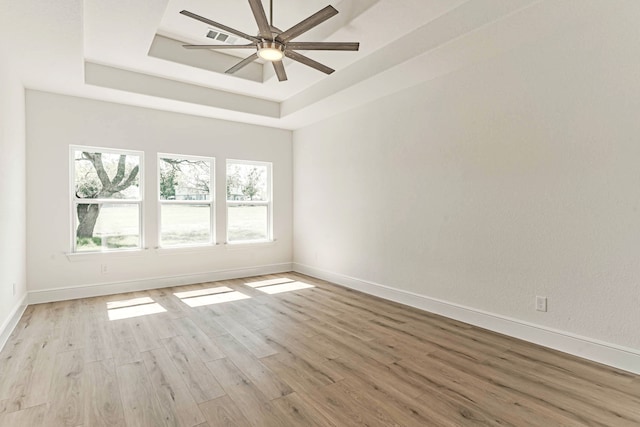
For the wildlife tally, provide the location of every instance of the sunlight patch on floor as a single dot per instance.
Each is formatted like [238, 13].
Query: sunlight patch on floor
[135, 307]
[284, 287]
[210, 296]
[269, 282]
[201, 292]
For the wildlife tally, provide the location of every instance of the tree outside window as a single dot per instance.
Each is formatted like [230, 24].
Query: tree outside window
[106, 199]
[186, 202]
[248, 201]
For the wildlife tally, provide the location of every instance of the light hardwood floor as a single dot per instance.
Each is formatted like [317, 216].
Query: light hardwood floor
[314, 354]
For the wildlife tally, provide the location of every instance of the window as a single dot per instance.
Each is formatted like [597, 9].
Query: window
[248, 201]
[106, 199]
[185, 198]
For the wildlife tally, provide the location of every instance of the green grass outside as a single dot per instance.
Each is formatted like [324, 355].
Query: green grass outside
[117, 226]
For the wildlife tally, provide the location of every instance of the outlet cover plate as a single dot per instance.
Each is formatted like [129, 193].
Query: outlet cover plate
[541, 303]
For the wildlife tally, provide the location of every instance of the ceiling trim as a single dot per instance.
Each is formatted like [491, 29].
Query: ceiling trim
[131, 81]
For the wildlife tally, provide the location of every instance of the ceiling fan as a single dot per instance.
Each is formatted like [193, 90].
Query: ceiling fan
[273, 44]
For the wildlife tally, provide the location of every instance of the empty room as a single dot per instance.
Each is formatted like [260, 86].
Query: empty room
[319, 213]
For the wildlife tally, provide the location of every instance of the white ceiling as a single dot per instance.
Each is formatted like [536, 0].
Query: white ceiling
[101, 49]
[373, 23]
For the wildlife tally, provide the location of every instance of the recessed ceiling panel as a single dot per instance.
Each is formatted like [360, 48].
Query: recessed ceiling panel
[210, 60]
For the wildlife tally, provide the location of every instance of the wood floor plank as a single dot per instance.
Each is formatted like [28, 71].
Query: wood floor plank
[299, 413]
[37, 391]
[382, 376]
[98, 340]
[279, 321]
[282, 341]
[343, 406]
[12, 354]
[623, 397]
[23, 324]
[346, 345]
[620, 409]
[251, 341]
[96, 308]
[66, 407]
[300, 357]
[139, 400]
[201, 384]
[285, 313]
[175, 308]
[171, 389]
[125, 348]
[102, 401]
[457, 386]
[15, 389]
[604, 376]
[163, 325]
[30, 417]
[261, 376]
[246, 315]
[294, 375]
[521, 386]
[145, 335]
[305, 299]
[436, 340]
[205, 319]
[250, 401]
[30, 379]
[223, 412]
[73, 333]
[203, 345]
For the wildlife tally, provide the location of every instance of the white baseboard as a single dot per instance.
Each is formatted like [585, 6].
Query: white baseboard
[11, 321]
[75, 292]
[624, 358]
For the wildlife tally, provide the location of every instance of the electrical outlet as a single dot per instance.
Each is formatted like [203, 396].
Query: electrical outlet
[104, 269]
[541, 303]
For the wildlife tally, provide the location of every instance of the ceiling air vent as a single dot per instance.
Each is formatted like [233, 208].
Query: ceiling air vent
[221, 37]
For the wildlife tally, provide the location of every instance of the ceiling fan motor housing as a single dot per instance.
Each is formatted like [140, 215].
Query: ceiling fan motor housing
[270, 50]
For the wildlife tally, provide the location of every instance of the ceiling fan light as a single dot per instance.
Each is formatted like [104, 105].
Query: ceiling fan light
[271, 51]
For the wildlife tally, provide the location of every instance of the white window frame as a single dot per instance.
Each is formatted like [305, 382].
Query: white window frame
[75, 201]
[268, 203]
[211, 202]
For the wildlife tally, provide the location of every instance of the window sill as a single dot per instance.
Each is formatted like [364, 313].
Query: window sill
[92, 256]
[249, 244]
[169, 250]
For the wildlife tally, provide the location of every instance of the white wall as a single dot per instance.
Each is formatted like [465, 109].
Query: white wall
[26, 56]
[12, 198]
[512, 178]
[55, 121]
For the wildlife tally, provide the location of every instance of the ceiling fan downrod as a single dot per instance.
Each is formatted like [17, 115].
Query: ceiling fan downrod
[271, 12]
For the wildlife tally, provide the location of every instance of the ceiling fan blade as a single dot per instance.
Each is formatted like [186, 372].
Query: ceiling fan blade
[242, 63]
[323, 45]
[304, 26]
[261, 18]
[219, 46]
[308, 61]
[279, 67]
[220, 26]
